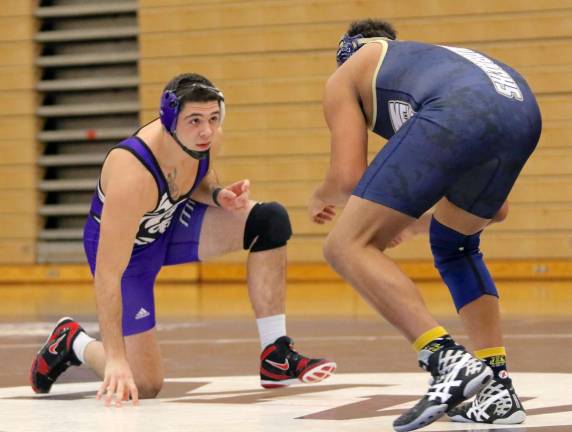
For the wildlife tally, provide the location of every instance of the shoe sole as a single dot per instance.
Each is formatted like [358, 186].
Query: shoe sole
[279, 384]
[32, 379]
[460, 419]
[32, 374]
[515, 418]
[315, 374]
[429, 416]
[318, 373]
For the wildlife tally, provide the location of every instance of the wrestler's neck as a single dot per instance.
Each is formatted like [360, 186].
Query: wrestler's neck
[167, 152]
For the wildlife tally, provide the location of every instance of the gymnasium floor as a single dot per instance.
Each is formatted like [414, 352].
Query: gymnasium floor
[211, 362]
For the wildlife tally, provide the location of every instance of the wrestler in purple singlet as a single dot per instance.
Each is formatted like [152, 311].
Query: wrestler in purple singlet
[167, 235]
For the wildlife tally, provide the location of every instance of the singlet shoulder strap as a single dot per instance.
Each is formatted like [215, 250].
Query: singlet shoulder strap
[384, 47]
[137, 147]
[204, 165]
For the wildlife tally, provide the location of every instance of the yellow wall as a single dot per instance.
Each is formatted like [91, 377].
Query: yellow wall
[44, 291]
[18, 126]
[271, 59]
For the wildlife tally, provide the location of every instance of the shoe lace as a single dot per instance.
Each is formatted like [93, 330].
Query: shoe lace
[294, 355]
[447, 372]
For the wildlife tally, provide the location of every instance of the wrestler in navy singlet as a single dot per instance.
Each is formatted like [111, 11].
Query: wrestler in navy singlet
[459, 124]
[167, 235]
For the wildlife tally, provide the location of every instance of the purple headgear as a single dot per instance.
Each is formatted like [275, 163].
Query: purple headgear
[350, 44]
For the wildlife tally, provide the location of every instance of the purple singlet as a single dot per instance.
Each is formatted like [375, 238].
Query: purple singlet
[167, 235]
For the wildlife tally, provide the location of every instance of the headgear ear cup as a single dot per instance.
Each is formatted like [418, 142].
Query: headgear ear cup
[169, 110]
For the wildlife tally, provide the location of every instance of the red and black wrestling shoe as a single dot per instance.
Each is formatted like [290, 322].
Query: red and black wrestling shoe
[281, 366]
[55, 356]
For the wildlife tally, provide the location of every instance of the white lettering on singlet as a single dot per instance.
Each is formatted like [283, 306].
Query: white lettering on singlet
[155, 223]
[399, 113]
[503, 83]
[186, 213]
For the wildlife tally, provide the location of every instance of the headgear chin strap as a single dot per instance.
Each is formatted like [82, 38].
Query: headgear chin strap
[192, 153]
[350, 44]
[169, 113]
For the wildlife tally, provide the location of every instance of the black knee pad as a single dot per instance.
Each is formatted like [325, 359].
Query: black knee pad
[267, 227]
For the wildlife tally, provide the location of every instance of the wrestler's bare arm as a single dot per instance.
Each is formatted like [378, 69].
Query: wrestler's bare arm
[130, 191]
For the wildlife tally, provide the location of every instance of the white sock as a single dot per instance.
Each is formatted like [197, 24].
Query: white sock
[271, 328]
[82, 340]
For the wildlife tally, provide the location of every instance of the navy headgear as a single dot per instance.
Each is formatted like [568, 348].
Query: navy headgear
[350, 44]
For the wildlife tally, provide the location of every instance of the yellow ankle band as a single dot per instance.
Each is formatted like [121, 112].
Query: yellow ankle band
[429, 336]
[490, 352]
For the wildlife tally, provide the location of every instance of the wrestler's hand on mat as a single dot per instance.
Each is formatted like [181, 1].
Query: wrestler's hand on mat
[235, 196]
[319, 211]
[118, 383]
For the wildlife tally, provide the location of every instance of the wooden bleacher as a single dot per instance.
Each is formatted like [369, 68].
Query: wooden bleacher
[271, 60]
[18, 149]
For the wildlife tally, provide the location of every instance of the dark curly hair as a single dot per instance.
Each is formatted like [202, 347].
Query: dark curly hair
[192, 87]
[372, 28]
